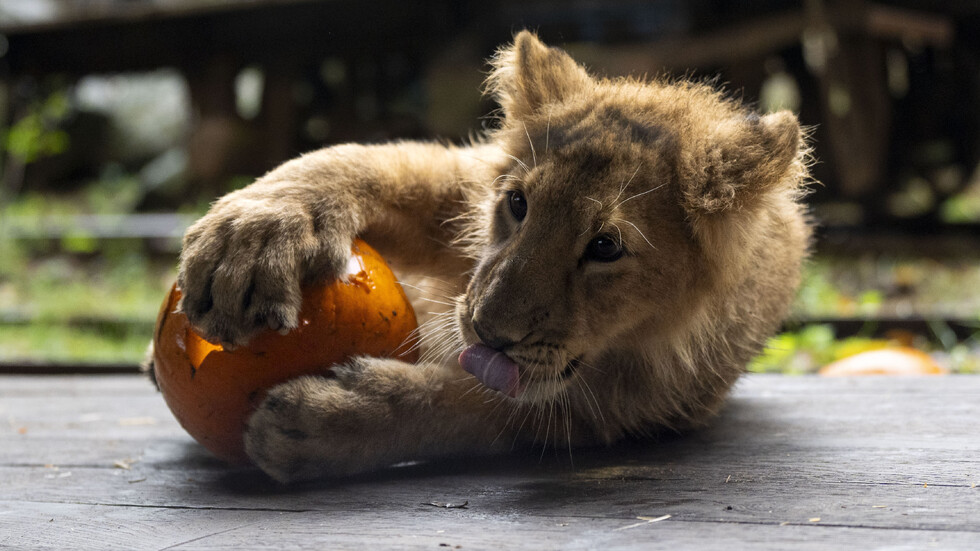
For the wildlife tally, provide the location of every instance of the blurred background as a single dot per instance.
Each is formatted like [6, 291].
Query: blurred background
[121, 120]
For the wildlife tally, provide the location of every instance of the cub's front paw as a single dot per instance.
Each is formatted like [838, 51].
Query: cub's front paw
[317, 426]
[243, 263]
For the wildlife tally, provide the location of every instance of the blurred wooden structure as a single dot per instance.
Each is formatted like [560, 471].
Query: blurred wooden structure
[209, 42]
[892, 87]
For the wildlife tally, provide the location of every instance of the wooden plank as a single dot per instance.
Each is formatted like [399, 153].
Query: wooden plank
[748, 386]
[880, 461]
[770, 407]
[31, 526]
[467, 531]
[749, 489]
[915, 489]
[72, 526]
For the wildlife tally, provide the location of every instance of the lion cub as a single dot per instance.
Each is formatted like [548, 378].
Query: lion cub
[604, 264]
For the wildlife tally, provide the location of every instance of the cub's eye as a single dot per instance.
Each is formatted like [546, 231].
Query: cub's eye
[518, 204]
[603, 249]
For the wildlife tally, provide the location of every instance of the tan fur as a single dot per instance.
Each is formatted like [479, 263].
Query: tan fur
[702, 195]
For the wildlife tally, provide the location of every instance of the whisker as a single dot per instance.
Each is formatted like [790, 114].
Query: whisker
[420, 333]
[597, 410]
[641, 233]
[443, 351]
[440, 317]
[415, 338]
[622, 187]
[555, 411]
[547, 134]
[508, 423]
[534, 156]
[639, 195]
[493, 395]
[434, 301]
[506, 177]
[567, 410]
[444, 292]
[618, 230]
[584, 363]
[583, 384]
[519, 162]
[547, 434]
[439, 338]
[440, 349]
[475, 387]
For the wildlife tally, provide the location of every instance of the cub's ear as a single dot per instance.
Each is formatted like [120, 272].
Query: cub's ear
[741, 160]
[527, 75]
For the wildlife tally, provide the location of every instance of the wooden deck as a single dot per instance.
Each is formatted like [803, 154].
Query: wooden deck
[97, 462]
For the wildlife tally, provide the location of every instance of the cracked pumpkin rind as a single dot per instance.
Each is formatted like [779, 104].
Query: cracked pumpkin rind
[212, 391]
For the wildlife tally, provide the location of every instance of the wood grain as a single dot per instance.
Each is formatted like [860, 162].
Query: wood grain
[99, 463]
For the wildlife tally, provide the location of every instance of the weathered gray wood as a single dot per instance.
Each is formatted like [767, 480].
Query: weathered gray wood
[72, 526]
[703, 495]
[881, 462]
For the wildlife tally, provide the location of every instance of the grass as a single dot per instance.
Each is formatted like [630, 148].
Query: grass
[890, 285]
[66, 308]
[60, 343]
[66, 289]
[79, 298]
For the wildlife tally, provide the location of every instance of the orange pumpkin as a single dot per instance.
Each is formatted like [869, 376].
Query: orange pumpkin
[900, 360]
[212, 391]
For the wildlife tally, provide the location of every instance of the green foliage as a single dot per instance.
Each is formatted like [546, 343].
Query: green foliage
[14, 258]
[809, 349]
[77, 297]
[36, 135]
[62, 289]
[961, 209]
[64, 343]
[821, 295]
[116, 191]
[101, 309]
[79, 242]
[965, 358]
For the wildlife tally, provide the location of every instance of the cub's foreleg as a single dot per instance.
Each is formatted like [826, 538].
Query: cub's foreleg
[243, 263]
[373, 413]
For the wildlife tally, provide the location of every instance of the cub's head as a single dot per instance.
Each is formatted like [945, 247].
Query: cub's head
[623, 211]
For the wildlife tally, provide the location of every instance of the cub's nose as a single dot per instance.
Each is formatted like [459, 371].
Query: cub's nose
[490, 338]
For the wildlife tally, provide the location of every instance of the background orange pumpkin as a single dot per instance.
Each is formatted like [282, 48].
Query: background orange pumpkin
[212, 391]
[900, 360]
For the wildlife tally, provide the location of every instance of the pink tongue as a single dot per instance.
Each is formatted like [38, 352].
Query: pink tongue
[492, 368]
